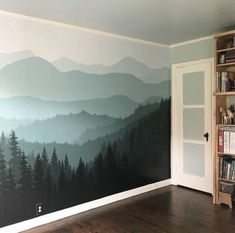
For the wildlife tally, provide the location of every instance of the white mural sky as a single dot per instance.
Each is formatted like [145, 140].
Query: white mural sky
[52, 42]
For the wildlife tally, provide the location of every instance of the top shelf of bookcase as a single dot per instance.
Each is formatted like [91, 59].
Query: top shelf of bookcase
[224, 35]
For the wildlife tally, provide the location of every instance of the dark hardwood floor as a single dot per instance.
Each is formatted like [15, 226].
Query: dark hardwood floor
[167, 210]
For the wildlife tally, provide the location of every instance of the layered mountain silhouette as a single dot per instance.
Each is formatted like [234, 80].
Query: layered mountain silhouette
[125, 65]
[38, 78]
[8, 58]
[77, 128]
[101, 131]
[89, 149]
[62, 128]
[21, 107]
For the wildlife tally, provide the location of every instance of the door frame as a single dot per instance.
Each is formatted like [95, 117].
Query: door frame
[175, 127]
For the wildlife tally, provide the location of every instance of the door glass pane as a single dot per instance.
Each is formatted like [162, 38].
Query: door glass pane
[193, 123]
[193, 88]
[193, 159]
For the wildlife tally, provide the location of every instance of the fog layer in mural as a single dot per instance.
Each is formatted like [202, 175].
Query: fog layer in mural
[72, 133]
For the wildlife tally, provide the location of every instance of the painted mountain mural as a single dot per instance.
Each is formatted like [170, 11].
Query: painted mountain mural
[28, 77]
[125, 65]
[72, 133]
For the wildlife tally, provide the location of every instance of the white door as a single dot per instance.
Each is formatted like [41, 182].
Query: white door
[192, 125]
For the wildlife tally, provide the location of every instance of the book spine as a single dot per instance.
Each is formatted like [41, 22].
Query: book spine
[218, 81]
[220, 167]
[224, 79]
[226, 141]
[228, 171]
[232, 143]
[233, 170]
[221, 141]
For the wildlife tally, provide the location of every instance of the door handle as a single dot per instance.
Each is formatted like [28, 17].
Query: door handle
[206, 135]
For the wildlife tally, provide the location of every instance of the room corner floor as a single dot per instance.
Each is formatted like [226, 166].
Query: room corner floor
[167, 210]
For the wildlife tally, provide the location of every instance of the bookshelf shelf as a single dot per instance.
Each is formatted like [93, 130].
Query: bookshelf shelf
[224, 163]
[226, 64]
[225, 125]
[231, 181]
[227, 93]
[224, 154]
[226, 50]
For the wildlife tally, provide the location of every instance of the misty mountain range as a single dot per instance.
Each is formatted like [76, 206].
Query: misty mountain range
[125, 65]
[62, 128]
[101, 131]
[66, 102]
[38, 78]
[89, 149]
[78, 128]
[21, 107]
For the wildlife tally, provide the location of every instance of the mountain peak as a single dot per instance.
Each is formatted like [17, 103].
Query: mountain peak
[130, 61]
[31, 63]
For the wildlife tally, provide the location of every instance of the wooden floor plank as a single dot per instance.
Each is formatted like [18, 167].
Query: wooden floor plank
[167, 210]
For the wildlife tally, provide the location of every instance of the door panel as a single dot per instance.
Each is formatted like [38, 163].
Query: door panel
[193, 154]
[193, 88]
[193, 123]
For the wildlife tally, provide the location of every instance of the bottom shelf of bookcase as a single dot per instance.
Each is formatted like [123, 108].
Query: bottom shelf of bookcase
[225, 198]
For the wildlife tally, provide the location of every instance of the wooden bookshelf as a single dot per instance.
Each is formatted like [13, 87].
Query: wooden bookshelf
[225, 122]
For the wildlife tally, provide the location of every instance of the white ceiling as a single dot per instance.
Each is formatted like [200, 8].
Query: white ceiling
[160, 21]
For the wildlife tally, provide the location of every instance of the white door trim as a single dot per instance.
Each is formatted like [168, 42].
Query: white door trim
[175, 126]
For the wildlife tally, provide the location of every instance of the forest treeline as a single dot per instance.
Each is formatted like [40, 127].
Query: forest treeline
[140, 157]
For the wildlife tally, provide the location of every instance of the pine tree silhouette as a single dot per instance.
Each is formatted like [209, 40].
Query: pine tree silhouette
[25, 187]
[38, 179]
[15, 159]
[11, 198]
[55, 168]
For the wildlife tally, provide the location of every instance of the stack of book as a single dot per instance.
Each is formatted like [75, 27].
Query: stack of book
[227, 168]
[230, 56]
[225, 81]
[226, 143]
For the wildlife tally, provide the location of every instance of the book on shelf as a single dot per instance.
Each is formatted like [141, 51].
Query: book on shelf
[221, 141]
[225, 81]
[230, 56]
[226, 57]
[227, 168]
[232, 142]
[226, 140]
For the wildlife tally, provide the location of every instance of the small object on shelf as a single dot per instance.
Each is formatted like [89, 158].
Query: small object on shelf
[221, 58]
[230, 116]
[230, 44]
[225, 118]
[226, 187]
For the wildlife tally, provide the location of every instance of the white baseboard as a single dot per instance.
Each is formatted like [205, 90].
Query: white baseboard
[35, 222]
